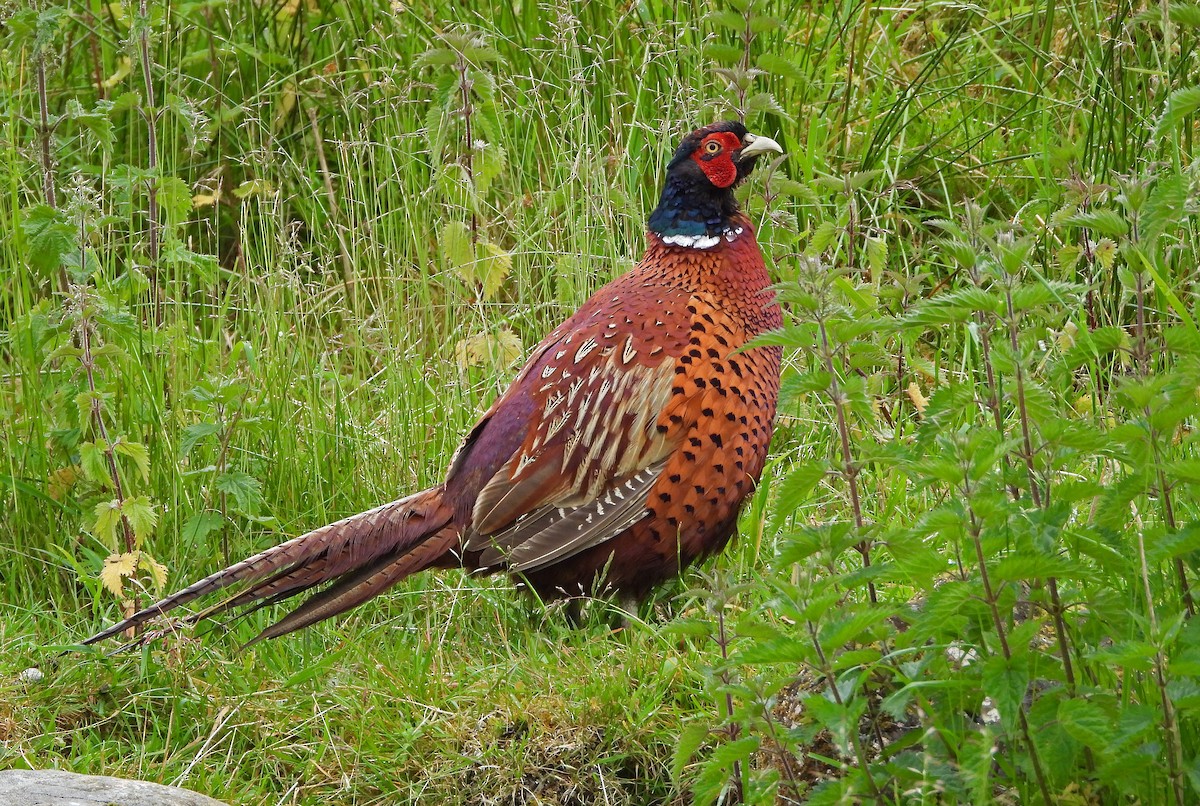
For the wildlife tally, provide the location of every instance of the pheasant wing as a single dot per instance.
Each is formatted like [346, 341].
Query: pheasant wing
[596, 440]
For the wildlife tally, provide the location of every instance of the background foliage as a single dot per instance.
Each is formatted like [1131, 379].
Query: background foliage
[265, 262]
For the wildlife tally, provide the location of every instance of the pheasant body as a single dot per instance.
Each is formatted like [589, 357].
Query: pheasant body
[619, 455]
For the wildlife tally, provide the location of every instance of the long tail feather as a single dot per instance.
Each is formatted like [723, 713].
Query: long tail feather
[354, 589]
[348, 546]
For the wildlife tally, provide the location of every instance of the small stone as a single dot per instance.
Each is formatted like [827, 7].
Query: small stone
[31, 675]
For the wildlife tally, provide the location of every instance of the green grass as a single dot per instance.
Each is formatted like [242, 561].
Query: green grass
[304, 332]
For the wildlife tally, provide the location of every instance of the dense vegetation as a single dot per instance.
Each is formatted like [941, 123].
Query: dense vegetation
[265, 262]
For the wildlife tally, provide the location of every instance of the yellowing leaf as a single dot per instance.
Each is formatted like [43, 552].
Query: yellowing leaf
[62, 480]
[493, 266]
[501, 349]
[455, 243]
[253, 187]
[1065, 338]
[108, 515]
[124, 67]
[287, 103]
[201, 200]
[116, 568]
[158, 571]
[1105, 252]
[918, 398]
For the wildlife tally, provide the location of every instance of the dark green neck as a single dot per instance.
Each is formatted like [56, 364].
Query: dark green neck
[687, 208]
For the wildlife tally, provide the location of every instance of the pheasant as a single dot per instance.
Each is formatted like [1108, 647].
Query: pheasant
[619, 455]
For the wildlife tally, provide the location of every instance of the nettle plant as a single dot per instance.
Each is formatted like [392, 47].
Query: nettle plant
[100, 254]
[465, 137]
[991, 595]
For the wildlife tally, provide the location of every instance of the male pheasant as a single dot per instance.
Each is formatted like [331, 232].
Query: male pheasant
[619, 455]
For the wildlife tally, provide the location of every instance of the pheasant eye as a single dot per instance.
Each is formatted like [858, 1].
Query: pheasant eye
[712, 147]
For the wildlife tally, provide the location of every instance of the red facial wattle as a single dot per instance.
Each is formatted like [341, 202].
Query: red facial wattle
[718, 165]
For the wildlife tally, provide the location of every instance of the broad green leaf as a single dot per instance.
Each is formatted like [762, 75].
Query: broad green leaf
[1181, 104]
[1086, 723]
[49, 235]
[108, 516]
[729, 20]
[722, 53]
[793, 489]
[193, 434]
[775, 65]
[1006, 682]
[782, 649]
[492, 266]
[690, 739]
[1026, 566]
[762, 23]
[94, 463]
[199, 526]
[456, 247]
[137, 452]
[141, 516]
[175, 197]
[245, 489]
[1101, 221]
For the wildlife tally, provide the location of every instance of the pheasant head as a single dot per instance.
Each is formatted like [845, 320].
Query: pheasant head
[697, 205]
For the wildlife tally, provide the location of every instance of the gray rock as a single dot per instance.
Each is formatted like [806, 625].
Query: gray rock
[56, 788]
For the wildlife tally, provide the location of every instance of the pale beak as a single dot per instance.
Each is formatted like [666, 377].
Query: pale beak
[757, 144]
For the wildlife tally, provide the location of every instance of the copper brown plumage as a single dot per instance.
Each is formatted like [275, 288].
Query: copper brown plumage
[619, 455]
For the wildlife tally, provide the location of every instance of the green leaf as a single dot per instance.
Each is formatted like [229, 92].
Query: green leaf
[175, 197]
[193, 434]
[94, 463]
[141, 516]
[877, 255]
[97, 122]
[50, 237]
[1166, 207]
[1034, 295]
[1186, 14]
[839, 632]
[722, 54]
[493, 265]
[199, 525]
[245, 489]
[763, 103]
[137, 452]
[781, 649]
[455, 244]
[1086, 723]
[762, 23]
[794, 488]
[714, 774]
[1017, 567]
[779, 66]
[1104, 222]
[108, 515]
[1006, 684]
[690, 739]
[840, 720]
[1181, 104]
[728, 20]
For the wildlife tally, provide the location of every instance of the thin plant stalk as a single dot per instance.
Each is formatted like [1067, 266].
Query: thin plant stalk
[991, 598]
[849, 467]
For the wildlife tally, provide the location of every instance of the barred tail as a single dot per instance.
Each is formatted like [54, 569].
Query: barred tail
[366, 553]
